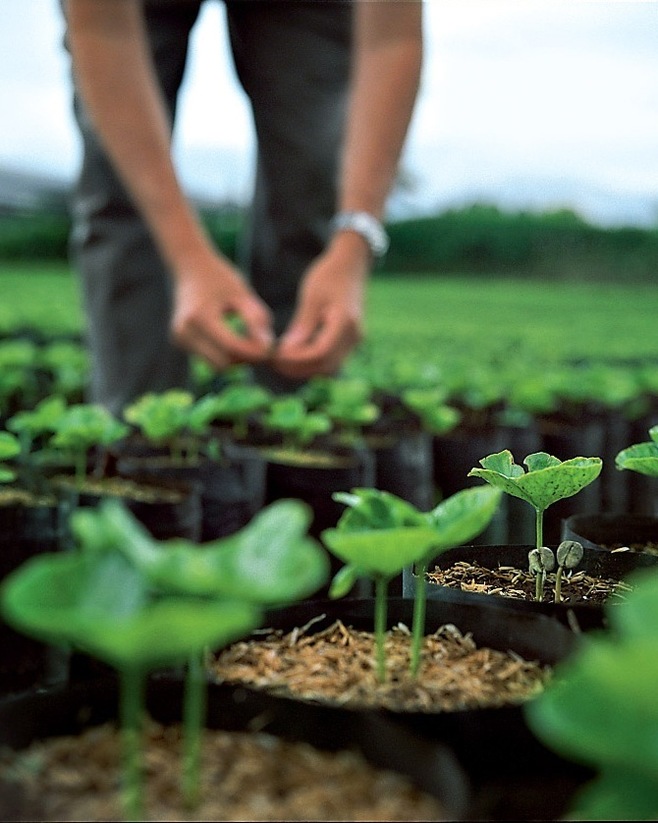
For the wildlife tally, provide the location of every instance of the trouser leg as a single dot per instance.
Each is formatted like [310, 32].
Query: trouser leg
[125, 286]
[293, 59]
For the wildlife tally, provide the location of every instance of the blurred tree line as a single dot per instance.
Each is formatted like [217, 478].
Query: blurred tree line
[477, 238]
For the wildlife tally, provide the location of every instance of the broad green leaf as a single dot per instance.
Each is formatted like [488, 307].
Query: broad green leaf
[547, 479]
[602, 707]
[270, 560]
[382, 552]
[100, 604]
[463, 516]
[641, 458]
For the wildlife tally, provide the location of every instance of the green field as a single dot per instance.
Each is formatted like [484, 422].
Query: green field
[422, 317]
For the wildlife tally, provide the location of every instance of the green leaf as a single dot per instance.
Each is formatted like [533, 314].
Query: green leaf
[343, 581]
[463, 516]
[101, 604]
[547, 479]
[382, 552]
[373, 509]
[271, 560]
[602, 707]
[641, 458]
[619, 793]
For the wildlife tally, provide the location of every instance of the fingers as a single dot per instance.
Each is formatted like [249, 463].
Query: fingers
[206, 332]
[308, 349]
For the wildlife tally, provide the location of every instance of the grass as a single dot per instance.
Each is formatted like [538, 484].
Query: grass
[417, 316]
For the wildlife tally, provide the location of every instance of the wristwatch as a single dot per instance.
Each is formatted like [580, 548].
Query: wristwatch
[365, 224]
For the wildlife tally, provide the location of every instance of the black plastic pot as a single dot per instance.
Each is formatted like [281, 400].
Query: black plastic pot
[454, 455]
[168, 508]
[609, 531]
[404, 465]
[513, 776]
[67, 711]
[25, 531]
[232, 488]
[584, 616]
[314, 484]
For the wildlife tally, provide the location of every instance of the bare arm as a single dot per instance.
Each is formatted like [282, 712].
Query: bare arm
[386, 75]
[116, 80]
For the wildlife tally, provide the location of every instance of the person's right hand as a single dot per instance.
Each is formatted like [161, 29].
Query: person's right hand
[206, 297]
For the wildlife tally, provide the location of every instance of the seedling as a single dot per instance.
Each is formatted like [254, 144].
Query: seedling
[569, 554]
[139, 604]
[641, 457]
[81, 428]
[540, 561]
[162, 418]
[234, 404]
[290, 417]
[546, 480]
[379, 534]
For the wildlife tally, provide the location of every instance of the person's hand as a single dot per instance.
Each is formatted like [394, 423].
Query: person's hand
[207, 298]
[327, 323]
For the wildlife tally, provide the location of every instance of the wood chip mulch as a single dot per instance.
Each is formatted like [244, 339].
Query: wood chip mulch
[244, 777]
[508, 581]
[337, 666]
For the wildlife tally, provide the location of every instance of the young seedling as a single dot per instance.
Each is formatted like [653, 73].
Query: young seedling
[349, 406]
[546, 480]
[569, 554]
[290, 417]
[380, 528]
[82, 427]
[139, 604]
[377, 536]
[234, 404]
[540, 561]
[162, 418]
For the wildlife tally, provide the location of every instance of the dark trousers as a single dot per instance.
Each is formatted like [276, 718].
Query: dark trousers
[292, 59]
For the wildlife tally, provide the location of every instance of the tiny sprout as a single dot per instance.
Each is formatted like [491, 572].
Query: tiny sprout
[540, 561]
[569, 555]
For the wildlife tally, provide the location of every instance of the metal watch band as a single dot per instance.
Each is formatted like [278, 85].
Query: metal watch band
[365, 224]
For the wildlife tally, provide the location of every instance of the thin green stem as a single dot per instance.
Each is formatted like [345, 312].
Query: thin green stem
[420, 608]
[131, 712]
[381, 608]
[194, 719]
[558, 584]
[539, 528]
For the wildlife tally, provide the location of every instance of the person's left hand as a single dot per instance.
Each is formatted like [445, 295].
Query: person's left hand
[327, 323]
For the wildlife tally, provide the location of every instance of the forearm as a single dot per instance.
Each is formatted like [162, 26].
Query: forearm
[116, 80]
[386, 75]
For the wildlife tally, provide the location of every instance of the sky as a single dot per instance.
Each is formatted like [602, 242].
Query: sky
[528, 104]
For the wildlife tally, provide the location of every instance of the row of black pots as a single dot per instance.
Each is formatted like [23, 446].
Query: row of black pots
[482, 764]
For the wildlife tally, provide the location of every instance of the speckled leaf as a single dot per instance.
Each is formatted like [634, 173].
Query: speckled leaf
[547, 479]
